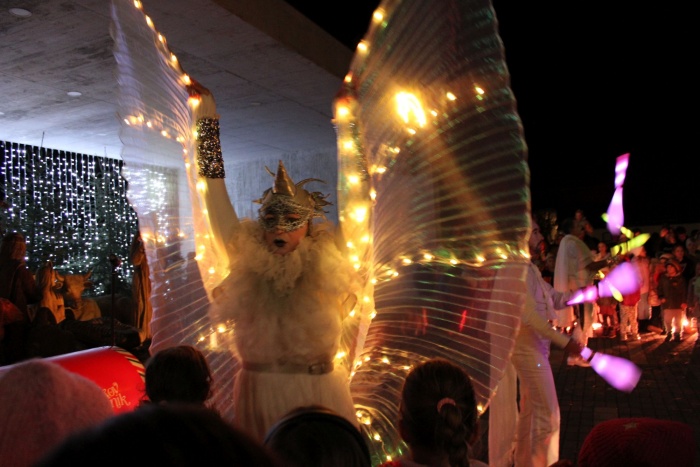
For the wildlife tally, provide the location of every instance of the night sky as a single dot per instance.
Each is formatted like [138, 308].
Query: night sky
[592, 82]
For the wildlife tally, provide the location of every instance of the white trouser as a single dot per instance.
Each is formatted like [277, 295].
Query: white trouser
[537, 434]
[503, 413]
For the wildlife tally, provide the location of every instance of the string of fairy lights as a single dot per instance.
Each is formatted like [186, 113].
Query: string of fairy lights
[355, 176]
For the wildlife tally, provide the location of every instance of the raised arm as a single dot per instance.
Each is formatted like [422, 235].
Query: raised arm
[219, 212]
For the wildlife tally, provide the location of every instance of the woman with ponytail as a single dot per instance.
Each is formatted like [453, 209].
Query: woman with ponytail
[438, 417]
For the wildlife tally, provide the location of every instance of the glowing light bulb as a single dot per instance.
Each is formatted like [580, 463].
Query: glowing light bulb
[360, 214]
[343, 111]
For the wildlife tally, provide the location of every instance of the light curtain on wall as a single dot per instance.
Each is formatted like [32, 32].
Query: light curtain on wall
[72, 208]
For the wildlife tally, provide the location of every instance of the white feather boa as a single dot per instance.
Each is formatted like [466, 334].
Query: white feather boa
[285, 308]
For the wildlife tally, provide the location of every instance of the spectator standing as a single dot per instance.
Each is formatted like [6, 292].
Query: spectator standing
[673, 291]
[643, 264]
[694, 294]
[681, 235]
[668, 240]
[17, 284]
[628, 315]
[602, 253]
[580, 218]
[692, 245]
[608, 316]
[686, 262]
[657, 268]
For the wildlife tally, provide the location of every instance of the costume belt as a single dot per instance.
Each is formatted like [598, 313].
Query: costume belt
[313, 369]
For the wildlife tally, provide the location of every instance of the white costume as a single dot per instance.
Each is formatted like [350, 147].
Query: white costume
[530, 437]
[287, 310]
[570, 274]
[429, 211]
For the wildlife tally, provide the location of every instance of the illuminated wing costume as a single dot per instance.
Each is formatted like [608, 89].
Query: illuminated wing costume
[433, 199]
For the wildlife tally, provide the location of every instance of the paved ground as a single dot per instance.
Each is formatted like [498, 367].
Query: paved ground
[669, 388]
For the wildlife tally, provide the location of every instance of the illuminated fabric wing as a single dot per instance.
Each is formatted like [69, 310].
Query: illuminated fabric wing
[158, 153]
[433, 201]
[433, 198]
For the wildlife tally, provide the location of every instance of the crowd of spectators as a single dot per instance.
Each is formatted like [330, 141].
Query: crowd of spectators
[668, 249]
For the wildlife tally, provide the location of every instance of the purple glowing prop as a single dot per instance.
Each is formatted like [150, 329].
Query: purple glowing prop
[616, 216]
[618, 372]
[624, 279]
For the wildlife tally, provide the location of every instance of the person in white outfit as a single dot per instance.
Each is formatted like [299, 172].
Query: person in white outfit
[288, 290]
[575, 269]
[530, 436]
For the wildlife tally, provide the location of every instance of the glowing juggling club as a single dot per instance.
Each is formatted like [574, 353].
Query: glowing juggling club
[618, 372]
[615, 215]
[622, 280]
[630, 246]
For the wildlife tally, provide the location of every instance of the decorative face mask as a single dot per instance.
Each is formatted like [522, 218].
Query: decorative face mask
[287, 206]
[281, 213]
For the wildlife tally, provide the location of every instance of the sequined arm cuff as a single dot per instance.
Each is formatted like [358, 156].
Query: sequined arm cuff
[209, 159]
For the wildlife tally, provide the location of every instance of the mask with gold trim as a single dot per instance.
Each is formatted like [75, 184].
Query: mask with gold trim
[288, 206]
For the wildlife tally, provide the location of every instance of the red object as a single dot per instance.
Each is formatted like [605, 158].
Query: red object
[638, 441]
[118, 372]
[9, 313]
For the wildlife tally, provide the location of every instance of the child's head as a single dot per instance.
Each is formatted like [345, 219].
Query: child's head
[438, 410]
[178, 374]
[673, 268]
[679, 252]
[315, 435]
